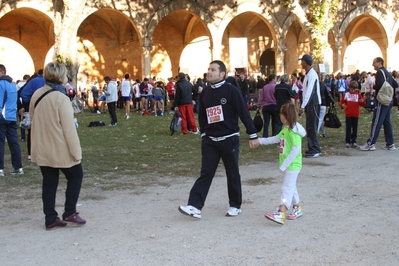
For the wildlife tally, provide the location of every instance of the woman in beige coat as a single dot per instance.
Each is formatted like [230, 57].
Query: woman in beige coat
[56, 146]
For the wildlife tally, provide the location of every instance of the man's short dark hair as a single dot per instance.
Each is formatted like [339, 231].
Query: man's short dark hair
[222, 66]
[127, 76]
[2, 68]
[380, 60]
[271, 77]
[182, 75]
[40, 72]
[107, 78]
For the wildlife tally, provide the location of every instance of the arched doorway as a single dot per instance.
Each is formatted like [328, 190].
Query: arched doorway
[180, 42]
[109, 45]
[259, 34]
[31, 29]
[267, 62]
[16, 59]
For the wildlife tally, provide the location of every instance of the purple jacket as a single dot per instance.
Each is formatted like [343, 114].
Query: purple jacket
[267, 96]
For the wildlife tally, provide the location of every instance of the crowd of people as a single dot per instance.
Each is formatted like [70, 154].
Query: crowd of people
[220, 102]
[313, 92]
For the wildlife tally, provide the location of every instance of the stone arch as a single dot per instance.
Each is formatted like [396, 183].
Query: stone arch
[363, 10]
[169, 32]
[110, 44]
[265, 13]
[394, 32]
[291, 18]
[296, 41]
[170, 7]
[26, 24]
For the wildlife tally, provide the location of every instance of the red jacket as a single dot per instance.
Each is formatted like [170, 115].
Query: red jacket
[352, 101]
[170, 88]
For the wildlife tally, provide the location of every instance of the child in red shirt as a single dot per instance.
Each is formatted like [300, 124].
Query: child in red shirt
[351, 102]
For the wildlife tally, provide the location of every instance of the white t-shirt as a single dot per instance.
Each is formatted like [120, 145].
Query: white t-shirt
[20, 84]
[149, 89]
[125, 88]
[369, 83]
[136, 87]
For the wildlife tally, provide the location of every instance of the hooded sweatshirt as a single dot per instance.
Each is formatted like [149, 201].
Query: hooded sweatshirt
[290, 155]
[352, 102]
[8, 98]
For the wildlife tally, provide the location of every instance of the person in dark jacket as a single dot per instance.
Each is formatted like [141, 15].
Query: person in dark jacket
[382, 113]
[184, 103]
[284, 94]
[326, 100]
[244, 85]
[30, 87]
[221, 106]
[259, 85]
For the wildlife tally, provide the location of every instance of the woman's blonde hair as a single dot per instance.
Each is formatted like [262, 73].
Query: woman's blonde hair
[56, 73]
[288, 110]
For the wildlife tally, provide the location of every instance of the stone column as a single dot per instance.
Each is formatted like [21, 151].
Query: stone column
[146, 65]
[338, 52]
[388, 56]
[280, 57]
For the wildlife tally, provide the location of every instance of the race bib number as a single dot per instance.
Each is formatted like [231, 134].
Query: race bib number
[282, 146]
[215, 114]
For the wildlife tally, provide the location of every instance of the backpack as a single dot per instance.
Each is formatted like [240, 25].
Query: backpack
[175, 123]
[70, 90]
[385, 94]
[258, 121]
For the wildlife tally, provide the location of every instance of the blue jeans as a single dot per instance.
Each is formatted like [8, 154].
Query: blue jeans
[381, 117]
[8, 129]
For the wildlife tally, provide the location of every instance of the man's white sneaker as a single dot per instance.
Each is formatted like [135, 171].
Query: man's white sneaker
[389, 148]
[232, 211]
[367, 147]
[190, 211]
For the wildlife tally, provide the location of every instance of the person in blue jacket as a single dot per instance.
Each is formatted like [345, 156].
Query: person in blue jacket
[8, 122]
[26, 94]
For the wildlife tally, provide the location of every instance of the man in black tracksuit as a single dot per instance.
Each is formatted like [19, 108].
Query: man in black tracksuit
[221, 104]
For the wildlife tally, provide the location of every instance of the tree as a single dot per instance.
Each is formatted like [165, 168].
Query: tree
[317, 21]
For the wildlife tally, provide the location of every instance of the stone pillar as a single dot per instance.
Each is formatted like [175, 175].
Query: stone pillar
[146, 61]
[280, 57]
[388, 56]
[338, 51]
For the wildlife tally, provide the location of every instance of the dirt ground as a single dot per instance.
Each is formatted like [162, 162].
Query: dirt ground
[351, 217]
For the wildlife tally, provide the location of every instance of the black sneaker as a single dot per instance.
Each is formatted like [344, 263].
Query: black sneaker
[312, 155]
[18, 171]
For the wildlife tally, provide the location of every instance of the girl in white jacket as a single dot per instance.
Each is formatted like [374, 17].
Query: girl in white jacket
[290, 139]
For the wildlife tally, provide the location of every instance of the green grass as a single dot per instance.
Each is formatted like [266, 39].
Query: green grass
[141, 152]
